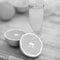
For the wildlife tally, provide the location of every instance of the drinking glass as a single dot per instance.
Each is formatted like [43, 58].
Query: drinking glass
[36, 13]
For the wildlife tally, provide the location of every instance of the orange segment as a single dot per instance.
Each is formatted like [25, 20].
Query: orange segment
[31, 45]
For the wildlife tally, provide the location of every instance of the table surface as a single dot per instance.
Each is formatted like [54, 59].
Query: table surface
[50, 37]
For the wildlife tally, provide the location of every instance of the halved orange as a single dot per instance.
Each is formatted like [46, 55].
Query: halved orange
[31, 45]
[13, 36]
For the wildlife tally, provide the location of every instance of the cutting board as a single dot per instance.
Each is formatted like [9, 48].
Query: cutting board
[50, 36]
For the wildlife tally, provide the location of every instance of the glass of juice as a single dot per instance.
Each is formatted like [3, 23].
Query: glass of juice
[36, 13]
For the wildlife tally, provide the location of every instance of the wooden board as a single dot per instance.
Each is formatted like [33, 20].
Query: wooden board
[11, 51]
[50, 36]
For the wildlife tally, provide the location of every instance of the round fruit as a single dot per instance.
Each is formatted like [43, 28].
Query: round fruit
[20, 5]
[7, 11]
[13, 37]
[31, 45]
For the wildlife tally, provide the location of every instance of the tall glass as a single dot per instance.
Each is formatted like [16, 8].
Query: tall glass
[36, 13]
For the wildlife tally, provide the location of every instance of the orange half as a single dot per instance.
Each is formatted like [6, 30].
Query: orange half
[31, 45]
[13, 36]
